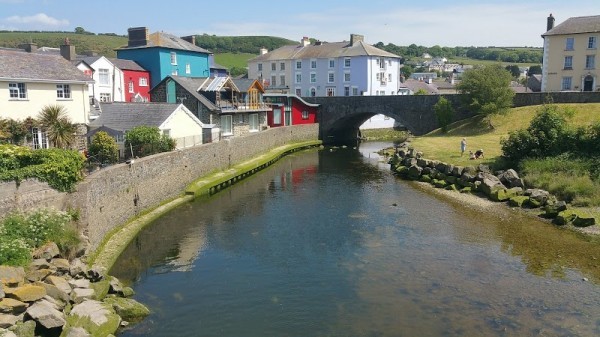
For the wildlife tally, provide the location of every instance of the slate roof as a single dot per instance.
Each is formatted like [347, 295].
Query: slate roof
[126, 64]
[21, 65]
[165, 40]
[122, 116]
[414, 86]
[89, 59]
[243, 83]
[576, 25]
[324, 50]
[192, 85]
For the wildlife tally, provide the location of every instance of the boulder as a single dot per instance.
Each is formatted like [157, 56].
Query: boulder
[402, 171]
[128, 292]
[449, 169]
[467, 177]
[470, 170]
[37, 274]
[483, 168]
[2, 293]
[60, 283]
[414, 171]
[425, 178]
[47, 251]
[427, 171]
[28, 293]
[12, 306]
[41, 264]
[489, 183]
[419, 154]
[441, 167]
[46, 314]
[518, 201]
[466, 189]
[61, 265]
[433, 163]
[500, 194]
[7, 333]
[8, 320]
[552, 210]
[55, 292]
[101, 289]
[12, 276]
[79, 295]
[451, 180]
[77, 332]
[408, 162]
[79, 283]
[439, 183]
[457, 171]
[565, 217]
[99, 319]
[422, 162]
[584, 220]
[116, 287]
[451, 187]
[129, 309]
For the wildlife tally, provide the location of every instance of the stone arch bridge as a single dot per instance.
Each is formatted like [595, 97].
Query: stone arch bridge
[340, 117]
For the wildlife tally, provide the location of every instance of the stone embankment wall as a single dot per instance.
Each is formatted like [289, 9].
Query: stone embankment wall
[111, 196]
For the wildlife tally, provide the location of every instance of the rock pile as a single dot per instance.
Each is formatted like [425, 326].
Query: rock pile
[502, 186]
[54, 296]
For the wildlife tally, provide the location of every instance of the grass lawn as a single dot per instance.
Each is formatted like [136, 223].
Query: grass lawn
[231, 60]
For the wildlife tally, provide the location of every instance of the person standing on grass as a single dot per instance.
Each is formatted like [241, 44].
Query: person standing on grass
[463, 146]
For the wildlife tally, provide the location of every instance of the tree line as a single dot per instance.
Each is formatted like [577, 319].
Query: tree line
[240, 44]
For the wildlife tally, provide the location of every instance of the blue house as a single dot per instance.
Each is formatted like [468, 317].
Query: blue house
[164, 54]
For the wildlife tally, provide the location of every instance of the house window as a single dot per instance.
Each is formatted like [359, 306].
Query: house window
[346, 77]
[590, 61]
[273, 66]
[566, 83]
[166, 132]
[313, 92]
[313, 77]
[253, 122]
[347, 62]
[131, 87]
[282, 80]
[389, 77]
[592, 42]
[188, 68]
[354, 91]
[282, 66]
[569, 43]
[143, 82]
[227, 124]
[313, 64]
[39, 138]
[330, 91]
[304, 114]
[331, 77]
[381, 63]
[568, 62]
[105, 97]
[298, 78]
[173, 58]
[260, 67]
[277, 116]
[298, 92]
[103, 77]
[331, 63]
[298, 64]
[63, 91]
[17, 91]
[175, 72]
[346, 91]
[273, 80]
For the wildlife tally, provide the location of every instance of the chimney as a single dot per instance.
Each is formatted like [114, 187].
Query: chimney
[29, 47]
[191, 39]
[138, 36]
[263, 50]
[67, 50]
[550, 22]
[355, 38]
[305, 41]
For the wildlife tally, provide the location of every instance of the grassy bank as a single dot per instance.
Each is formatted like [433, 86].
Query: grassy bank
[384, 134]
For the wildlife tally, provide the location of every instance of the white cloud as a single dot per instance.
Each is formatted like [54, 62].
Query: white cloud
[39, 19]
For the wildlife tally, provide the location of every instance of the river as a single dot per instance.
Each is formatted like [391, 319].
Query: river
[330, 243]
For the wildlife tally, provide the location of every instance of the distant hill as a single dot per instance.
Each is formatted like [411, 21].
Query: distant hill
[102, 44]
[240, 44]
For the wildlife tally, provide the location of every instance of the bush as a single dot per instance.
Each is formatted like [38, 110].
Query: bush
[444, 113]
[146, 140]
[103, 149]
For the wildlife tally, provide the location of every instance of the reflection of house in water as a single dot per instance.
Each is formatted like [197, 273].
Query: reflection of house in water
[190, 247]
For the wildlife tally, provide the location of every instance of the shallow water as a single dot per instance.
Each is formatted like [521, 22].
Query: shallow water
[329, 243]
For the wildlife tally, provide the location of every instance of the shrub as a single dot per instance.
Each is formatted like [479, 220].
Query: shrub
[444, 113]
[145, 140]
[103, 148]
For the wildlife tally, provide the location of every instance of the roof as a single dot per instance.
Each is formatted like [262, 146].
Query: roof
[323, 50]
[415, 86]
[292, 96]
[245, 83]
[217, 66]
[576, 25]
[217, 84]
[123, 116]
[165, 40]
[21, 65]
[126, 64]
[192, 85]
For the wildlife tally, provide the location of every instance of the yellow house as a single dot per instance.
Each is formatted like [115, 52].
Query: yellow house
[570, 52]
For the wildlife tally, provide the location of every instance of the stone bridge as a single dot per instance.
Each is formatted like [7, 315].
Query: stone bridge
[340, 117]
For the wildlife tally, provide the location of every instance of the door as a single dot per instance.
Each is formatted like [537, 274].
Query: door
[171, 95]
[588, 83]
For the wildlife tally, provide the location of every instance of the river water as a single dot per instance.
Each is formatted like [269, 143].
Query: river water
[329, 243]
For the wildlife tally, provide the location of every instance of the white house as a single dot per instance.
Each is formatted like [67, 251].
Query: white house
[108, 80]
[328, 69]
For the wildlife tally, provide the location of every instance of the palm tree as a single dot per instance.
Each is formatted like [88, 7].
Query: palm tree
[59, 129]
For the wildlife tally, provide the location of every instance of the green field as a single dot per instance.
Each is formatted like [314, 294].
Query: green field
[231, 60]
[100, 44]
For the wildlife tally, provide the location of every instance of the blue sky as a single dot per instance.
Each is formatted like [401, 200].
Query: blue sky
[427, 23]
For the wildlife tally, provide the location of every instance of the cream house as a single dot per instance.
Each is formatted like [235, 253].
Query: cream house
[570, 53]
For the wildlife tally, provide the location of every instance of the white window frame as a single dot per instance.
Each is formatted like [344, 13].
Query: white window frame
[304, 114]
[570, 43]
[313, 92]
[17, 91]
[354, 91]
[298, 64]
[103, 77]
[313, 63]
[566, 83]
[227, 125]
[298, 92]
[331, 77]
[273, 80]
[590, 61]
[273, 66]
[253, 123]
[346, 90]
[130, 87]
[188, 68]
[39, 139]
[143, 82]
[331, 63]
[173, 56]
[277, 116]
[347, 62]
[313, 77]
[298, 77]
[105, 97]
[282, 80]
[592, 42]
[568, 63]
[330, 91]
[347, 76]
[282, 66]
[63, 91]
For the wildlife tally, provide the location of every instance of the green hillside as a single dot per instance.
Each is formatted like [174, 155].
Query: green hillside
[100, 44]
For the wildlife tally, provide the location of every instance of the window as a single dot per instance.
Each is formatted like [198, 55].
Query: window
[103, 76]
[175, 72]
[346, 77]
[566, 83]
[381, 63]
[354, 91]
[253, 122]
[568, 62]
[330, 91]
[282, 80]
[592, 42]
[227, 124]
[313, 77]
[173, 58]
[166, 132]
[298, 78]
[39, 139]
[298, 64]
[313, 92]
[260, 67]
[143, 82]
[17, 91]
[105, 97]
[304, 114]
[570, 41]
[277, 116]
[313, 64]
[273, 66]
[298, 92]
[590, 61]
[347, 62]
[188, 68]
[273, 80]
[331, 63]
[282, 66]
[63, 91]
[389, 77]
[131, 87]
[331, 77]
[346, 91]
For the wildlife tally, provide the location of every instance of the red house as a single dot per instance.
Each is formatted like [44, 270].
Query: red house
[136, 80]
[289, 109]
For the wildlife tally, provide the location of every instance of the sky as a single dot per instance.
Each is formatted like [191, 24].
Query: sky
[502, 23]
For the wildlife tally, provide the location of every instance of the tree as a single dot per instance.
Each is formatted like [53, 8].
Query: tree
[420, 92]
[444, 112]
[103, 148]
[534, 70]
[60, 131]
[487, 90]
[147, 140]
[514, 70]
